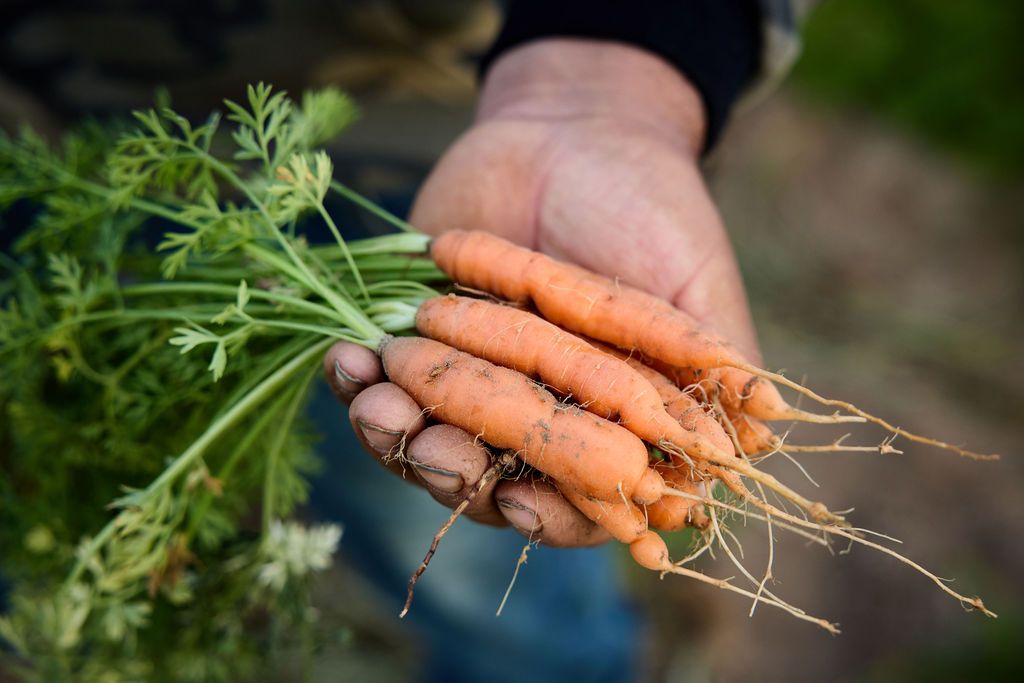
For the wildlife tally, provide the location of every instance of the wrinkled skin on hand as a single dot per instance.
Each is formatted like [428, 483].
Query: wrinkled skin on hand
[587, 151]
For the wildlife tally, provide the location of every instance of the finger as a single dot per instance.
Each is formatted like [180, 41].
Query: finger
[537, 510]
[386, 420]
[350, 368]
[450, 462]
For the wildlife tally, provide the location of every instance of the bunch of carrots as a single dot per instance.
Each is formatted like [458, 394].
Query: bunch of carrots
[640, 418]
[624, 402]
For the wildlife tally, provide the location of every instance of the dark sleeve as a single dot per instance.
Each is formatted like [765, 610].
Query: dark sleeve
[716, 44]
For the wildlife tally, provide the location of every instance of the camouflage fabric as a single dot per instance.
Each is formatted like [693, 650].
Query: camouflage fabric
[60, 59]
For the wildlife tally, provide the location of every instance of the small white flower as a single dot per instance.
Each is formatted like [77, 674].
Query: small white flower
[293, 551]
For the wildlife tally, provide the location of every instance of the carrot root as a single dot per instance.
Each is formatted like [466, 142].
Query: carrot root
[651, 553]
[854, 410]
[837, 446]
[722, 505]
[798, 415]
[818, 510]
[857, 536]
[725, 585]
[490, 475]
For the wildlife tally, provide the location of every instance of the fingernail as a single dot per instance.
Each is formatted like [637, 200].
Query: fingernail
[343, 379]
[520, 516]
[440, 479]
[383, 441]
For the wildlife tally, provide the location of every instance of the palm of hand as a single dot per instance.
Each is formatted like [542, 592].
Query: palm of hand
[610, 196]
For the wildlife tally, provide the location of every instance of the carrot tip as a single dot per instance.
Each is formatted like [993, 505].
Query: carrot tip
[977, 604]
[649, 489]
[823, 515]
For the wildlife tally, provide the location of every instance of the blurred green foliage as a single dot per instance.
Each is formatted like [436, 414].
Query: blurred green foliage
[992, 654]
[951, 71]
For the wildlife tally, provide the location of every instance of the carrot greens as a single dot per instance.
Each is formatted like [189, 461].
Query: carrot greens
[153, 398]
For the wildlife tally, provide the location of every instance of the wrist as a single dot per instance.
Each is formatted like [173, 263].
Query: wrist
[560, 79]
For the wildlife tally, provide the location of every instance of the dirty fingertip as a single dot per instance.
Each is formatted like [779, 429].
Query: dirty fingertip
[450, 462]
[386, 418]
[539, 512]
[350, 368]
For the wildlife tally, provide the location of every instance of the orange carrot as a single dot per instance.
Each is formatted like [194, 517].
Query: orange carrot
[626, 317]
[579, 300]
[598, 307]
[681, 406]
[737, 391]
[621, 518]
[605, 385]
[753, 435]
[650, 552]
[703, 383]
[672, 513]
[474, 398]
[486, 262]
[505, 409]
[498, 333]
[741, 391]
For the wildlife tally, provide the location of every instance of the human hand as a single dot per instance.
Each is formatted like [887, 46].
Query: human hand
[587, 151]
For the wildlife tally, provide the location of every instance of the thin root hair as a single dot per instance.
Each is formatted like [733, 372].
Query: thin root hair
[865, 416]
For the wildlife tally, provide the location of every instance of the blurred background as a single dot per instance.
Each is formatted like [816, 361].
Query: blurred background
[876, 200]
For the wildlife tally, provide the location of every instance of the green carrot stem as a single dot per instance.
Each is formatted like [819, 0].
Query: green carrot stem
[179, 287]
[341, 244]
[354, 318]
[358, 199]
